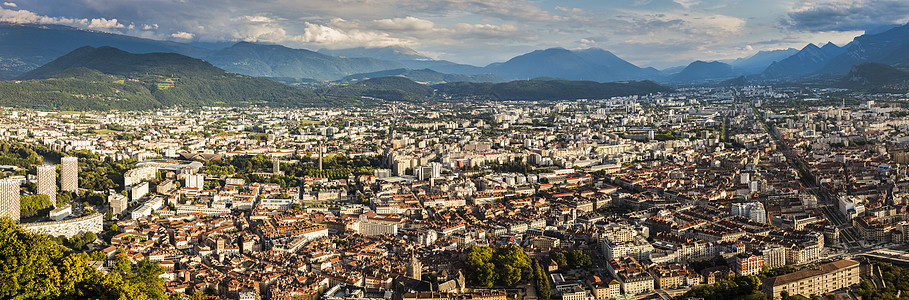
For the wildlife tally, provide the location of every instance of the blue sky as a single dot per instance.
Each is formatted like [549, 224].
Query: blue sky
[659, 33]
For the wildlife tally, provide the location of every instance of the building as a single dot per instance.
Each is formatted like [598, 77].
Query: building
[194, 181]
[47, 182]
[9, 198]
[118, 202]
[415, 269]
[632, 275]
[745, 264]
[574, 292]
[753, 210]
[774, 255]
[69, 174]
[68, 227]
[371, 227]
[815, 281]
[138, 191]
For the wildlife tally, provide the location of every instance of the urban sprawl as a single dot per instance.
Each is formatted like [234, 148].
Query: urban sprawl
[784, 192]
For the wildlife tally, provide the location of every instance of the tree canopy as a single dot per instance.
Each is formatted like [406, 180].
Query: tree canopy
[506, 266]
[35, 266]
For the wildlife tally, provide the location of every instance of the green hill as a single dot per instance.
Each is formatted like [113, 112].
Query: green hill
[393, 88]
[548, 89]
[875, 77]
[108, 78]
[24, 47]
[426, 76]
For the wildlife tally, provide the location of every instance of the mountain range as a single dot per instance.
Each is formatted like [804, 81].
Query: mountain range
[109, 78]
[26, 47]
[106, 78]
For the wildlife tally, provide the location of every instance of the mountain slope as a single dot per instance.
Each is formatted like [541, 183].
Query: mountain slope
[426, 76]
[701, 71]
[759, 61]
[553, 62]
[25, 47]
[391, 53]
[393, 88]
[807, 61]
[279, 61]
[888, 47]
[618, 69]
[876, 77]
[548, 89]
[109, 78]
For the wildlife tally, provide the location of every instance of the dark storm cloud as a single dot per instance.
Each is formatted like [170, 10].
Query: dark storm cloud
[846, 15]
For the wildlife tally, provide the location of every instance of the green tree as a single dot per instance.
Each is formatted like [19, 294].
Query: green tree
[30, 206]
[560, 259]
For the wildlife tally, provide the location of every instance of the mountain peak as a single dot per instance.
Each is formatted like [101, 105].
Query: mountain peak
[811, 46]
[830, 45]
[113, 61]
[701, 70]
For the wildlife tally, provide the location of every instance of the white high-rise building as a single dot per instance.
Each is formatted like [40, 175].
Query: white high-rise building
[69, 174]
[9, 198]
[194, 181]
[47, 182]
[752, 210]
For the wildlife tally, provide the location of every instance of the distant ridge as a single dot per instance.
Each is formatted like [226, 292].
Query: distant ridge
[703, 71]
[549, 89]
[875, 77]
[279, 61]
[108, 78]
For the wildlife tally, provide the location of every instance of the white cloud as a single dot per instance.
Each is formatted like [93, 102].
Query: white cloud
[687, 3]
[103, 23]
[404, 24]
[337, 38]
[183, 35]
[10, 4]
[149, 26]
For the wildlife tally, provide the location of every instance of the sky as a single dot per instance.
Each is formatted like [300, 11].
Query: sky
[658, 33]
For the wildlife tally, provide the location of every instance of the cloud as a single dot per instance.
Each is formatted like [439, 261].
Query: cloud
[687, 3]
[689, 24]
[337, 38]
[23, 17]
[414, 30]
[845, 15]
[183, 35]
[478, 31]
[103, 23]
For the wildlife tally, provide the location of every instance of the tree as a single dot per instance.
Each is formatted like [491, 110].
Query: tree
[580, 258]
[541, 281]
[37, 267]
[479, 268]
[560, 259]
[507, 265]
[29, 206]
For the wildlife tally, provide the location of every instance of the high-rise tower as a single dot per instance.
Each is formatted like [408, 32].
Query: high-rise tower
[69, 174]
[9, 198]
[47, 182]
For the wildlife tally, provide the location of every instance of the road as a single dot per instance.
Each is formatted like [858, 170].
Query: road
[826, 203]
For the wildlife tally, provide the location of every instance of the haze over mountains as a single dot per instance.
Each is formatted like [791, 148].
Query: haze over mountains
[107, 78]
[26, 47]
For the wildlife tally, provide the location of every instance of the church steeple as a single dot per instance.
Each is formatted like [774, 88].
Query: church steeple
[415, 269]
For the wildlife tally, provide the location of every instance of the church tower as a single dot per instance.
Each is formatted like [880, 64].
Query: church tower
[415, 269]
